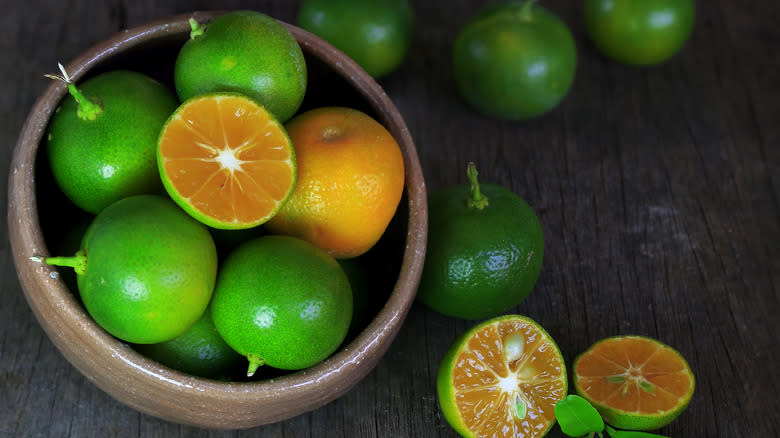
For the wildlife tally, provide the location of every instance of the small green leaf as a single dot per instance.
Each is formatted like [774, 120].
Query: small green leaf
[614, 433]
[577, 417]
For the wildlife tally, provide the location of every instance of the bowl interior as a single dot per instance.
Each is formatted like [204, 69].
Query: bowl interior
[43, 222]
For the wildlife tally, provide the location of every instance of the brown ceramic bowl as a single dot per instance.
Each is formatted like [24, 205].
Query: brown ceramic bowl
[35, 218]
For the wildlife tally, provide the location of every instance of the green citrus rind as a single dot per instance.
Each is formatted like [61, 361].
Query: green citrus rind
[514, 60]
[375, 34]
[150, 269]
[282, 302]
[99, 161]
[246, 52]
[199, 351]
[480, 263]
[623, 419]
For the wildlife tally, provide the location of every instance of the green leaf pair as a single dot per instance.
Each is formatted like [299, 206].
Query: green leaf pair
[577, 418]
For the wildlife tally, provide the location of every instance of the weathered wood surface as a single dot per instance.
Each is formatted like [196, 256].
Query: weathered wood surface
[657, 189]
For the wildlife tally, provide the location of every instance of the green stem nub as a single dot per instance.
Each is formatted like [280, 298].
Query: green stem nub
[255, 362]
[78, 262]
[476, 198]
[86, 109]
[196, 29]
[525, 10]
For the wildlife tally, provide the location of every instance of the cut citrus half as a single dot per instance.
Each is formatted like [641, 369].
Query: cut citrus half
[502, 378]
[635, 382]
[226, 160]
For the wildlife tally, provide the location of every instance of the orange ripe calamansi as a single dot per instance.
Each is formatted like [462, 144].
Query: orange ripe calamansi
[350, 181]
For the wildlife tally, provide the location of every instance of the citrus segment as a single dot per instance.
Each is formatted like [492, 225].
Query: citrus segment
[226, 160]
[635, 382]
[502, 378]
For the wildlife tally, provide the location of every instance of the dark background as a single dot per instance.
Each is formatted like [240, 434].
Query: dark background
[657, 189]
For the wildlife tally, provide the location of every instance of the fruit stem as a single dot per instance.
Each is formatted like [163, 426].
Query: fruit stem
[196, 29]
[87, 109]
[525, 10]
[78, 262]
[255, 362]
[476, 199]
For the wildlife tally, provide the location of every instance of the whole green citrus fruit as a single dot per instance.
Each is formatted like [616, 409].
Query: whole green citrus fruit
[145, 270]
[102, 140]
[639, 32]
[485, 250]
[374, 33]
[246, 52]
[282, 302]
[199, 351]
[514, 60]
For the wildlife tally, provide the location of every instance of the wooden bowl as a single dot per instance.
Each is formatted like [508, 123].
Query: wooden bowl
[36, 211]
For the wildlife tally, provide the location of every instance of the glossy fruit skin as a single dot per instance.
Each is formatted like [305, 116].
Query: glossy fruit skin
[151, 269]
[282, 300]
[350, 181]
[245, 52]
[514, 60]
[199, 351]
[480, 263]
[374, 33]
[639, 32]
[97, 162]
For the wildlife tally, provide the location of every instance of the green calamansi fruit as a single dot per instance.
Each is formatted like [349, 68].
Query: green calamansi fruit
[146, 270]
[514, 60]
[485, 250]
[375, 33]
[282, 302]
[102, 139]
[245, 52]
[199, 351]
[639, 32]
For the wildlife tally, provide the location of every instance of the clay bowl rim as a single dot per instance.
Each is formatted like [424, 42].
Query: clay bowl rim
[115, 367]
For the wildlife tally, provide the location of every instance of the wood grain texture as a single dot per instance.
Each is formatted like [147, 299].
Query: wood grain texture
[657, 189]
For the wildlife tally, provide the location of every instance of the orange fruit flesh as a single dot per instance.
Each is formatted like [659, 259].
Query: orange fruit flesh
[634, 375]
[228, 159]
[488, 387]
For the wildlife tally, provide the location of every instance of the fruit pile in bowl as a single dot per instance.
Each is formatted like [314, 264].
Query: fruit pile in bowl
[218, 218]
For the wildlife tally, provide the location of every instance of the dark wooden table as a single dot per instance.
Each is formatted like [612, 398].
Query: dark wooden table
[657, 190]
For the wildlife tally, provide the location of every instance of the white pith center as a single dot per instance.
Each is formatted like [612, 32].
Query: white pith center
[228, 159]
[509, 384]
